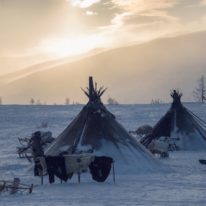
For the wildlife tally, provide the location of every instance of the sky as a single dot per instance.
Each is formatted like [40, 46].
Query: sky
[33, 31]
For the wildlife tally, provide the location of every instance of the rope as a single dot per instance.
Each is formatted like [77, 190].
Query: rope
[198, 118]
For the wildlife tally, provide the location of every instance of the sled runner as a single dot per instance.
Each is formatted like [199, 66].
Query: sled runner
[15, 186]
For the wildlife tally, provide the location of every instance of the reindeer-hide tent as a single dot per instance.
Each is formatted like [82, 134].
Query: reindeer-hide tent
[181, 124]
[95, 129]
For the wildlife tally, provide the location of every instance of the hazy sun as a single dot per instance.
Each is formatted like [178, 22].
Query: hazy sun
[61, 47]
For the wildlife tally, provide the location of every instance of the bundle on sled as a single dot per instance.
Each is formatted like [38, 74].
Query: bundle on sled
[14, 186]
[43, 139]
[159, 147]
[163, 145]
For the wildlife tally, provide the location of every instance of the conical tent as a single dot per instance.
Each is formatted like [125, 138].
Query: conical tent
[181, 124]
[96, 129]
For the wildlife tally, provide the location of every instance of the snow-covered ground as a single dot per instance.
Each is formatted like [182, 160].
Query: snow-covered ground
[184, 183]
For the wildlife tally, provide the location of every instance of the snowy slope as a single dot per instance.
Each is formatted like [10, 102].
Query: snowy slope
[183, 184]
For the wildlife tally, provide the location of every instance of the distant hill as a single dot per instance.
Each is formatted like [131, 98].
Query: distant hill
[133, 74]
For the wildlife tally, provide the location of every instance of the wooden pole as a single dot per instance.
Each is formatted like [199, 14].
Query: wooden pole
[31, 188]
[113, 172]
[42, 177]
[79, 178]
[15, 185]
[91, 88]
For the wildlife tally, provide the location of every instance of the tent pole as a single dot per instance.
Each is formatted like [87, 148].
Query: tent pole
[42, 178]
[79, 178]
[113, 172]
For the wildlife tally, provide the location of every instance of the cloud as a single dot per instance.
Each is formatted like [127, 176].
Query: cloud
[118, 20]
[143, 6]
[203, 2]
[91, 13]
[83, 3]
[122, 22]
[137, 33]
[140, 20]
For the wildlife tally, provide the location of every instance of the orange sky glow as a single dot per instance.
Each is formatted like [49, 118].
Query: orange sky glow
[40, 30]
[38, 35]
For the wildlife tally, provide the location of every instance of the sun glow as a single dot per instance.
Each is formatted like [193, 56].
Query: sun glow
[61, 47]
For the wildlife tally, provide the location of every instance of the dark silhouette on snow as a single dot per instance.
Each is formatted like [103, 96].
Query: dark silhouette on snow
[181, 124]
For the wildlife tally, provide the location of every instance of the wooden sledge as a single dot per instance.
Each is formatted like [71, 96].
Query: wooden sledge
[15, 186]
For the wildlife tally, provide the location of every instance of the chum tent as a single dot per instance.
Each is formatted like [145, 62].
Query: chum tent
[96, 130]
[180, 124]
